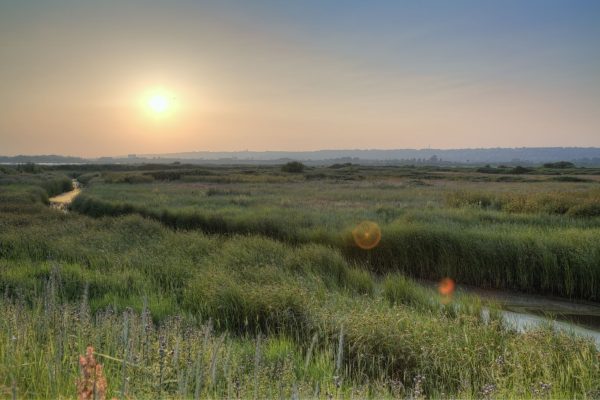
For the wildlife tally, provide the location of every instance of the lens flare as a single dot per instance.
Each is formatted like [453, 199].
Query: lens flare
[446, 287]
[367, 235]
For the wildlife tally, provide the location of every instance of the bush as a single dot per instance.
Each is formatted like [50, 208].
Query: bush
[566, 178]
[127, 178]
[490, 170]
[293, 167]
[520, 170]
[86, 178]
[30, 168]
[338, 166]
[560, 164]
[164, 175]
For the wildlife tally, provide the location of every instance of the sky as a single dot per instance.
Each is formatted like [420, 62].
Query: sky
[80, 77]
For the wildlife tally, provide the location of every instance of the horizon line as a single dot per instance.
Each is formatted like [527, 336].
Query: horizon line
[159, 155]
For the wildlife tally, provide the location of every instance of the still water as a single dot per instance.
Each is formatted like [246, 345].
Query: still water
[524, 311]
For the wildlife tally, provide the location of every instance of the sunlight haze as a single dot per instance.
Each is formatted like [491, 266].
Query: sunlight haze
[77, 77]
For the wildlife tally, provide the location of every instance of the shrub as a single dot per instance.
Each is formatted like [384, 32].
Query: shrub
[338, 165]
[164, 175]
[520, 170]
[293, 167]
[126, 178]
[560, 164]
[566, 178]
[136, 178]
[30, 168]
[490, 170]
[87, 177]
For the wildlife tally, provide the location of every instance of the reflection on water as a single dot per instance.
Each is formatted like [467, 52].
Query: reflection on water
[62, 201]
[522, 322]
[522, 312]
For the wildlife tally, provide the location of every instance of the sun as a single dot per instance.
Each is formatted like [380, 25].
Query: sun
[159, 103]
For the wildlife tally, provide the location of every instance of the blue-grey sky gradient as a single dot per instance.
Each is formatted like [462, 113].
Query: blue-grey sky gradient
[283, 75]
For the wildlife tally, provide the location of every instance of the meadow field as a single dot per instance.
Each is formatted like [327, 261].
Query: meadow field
[257, 282]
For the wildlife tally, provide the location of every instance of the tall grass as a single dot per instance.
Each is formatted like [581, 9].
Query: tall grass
[182, 314]
[379, 352]
[576, 204]
[541, 253]
[562, 263]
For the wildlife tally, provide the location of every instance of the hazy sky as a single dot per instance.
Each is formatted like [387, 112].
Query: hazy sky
[76, 76]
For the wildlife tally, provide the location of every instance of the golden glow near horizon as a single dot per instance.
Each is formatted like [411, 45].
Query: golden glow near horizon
[178, 76]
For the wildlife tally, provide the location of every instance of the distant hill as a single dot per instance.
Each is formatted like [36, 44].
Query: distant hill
[492, 155]
[524, 155]
[42, 159]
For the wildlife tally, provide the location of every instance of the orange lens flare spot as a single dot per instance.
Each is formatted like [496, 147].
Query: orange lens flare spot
[446, 287]
[367, 235]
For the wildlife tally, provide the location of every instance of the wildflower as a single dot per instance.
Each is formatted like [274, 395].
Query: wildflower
[418, 388]
[396, 387]
[542, 389]
[92, 383]
[488, 390]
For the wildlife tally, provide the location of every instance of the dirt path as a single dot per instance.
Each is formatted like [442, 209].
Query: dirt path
[62, 201]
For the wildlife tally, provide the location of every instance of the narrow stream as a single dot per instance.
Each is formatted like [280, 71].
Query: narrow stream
[62, 201]
[525, 311]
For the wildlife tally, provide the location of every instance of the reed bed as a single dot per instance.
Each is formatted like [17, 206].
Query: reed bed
[428, 232]
[179, 313]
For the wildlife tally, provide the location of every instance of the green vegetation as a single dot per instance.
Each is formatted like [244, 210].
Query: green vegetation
[293, 166]
[538, 239]
[560, 164]
[577, 203]
[259, 291]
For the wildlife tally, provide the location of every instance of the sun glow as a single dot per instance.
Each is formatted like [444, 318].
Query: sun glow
[159, 103]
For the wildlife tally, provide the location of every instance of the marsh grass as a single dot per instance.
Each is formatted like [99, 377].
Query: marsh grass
[360, 347]
[503, 238]
[572, 203]
[177, 313]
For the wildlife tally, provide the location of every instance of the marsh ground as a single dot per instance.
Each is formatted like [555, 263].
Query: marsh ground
[246, 281]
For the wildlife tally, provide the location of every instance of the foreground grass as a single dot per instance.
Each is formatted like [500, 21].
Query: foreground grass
[182, 314]
[378, 352]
